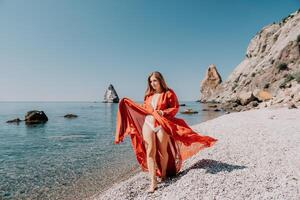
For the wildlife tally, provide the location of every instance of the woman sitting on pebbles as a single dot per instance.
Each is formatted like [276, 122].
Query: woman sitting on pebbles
[161, 141]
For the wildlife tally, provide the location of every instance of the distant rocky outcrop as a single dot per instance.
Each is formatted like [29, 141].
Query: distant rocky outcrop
[35, 117]
[269, 75]
[210, 82]
[111, 95]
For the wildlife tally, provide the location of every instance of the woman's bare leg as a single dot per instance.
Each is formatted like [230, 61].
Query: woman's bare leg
[163, 139]
[150, 142]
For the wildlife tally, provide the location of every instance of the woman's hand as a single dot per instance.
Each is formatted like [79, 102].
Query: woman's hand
[160, 112]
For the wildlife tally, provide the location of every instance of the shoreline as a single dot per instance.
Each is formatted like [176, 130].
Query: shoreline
[121, 179]
[253, 158]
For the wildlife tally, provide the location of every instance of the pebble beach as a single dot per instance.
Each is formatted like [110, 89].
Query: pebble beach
[256, 157]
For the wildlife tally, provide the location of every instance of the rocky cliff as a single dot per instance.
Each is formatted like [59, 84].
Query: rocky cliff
[270, 72]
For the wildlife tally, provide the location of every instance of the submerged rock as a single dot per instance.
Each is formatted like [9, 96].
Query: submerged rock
[189, 111]
[70, 116]
[17, 120]
[35, 117]
[111, 95]
[212, 106]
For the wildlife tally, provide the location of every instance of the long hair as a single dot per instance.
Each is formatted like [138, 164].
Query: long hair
[161, 80]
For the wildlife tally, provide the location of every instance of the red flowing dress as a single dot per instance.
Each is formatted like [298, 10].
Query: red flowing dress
[183, 143]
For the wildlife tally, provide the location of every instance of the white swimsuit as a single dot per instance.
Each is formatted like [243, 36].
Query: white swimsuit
[149, 120]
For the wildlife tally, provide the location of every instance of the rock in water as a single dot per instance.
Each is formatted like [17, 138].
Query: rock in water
[70, 116]
[17, 120]
[35, 117]
[111, 95]
[210, 82]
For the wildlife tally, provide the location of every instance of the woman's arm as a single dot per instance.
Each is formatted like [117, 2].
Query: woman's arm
[173, 105]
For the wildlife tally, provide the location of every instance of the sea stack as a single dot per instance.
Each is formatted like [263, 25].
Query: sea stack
[111, 95]
[210, 82]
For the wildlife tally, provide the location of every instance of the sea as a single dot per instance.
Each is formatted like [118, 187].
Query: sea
[68, 158]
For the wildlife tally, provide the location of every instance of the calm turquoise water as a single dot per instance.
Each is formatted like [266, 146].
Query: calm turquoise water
[66, 158]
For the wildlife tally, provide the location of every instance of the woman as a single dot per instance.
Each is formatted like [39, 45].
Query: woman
[160, 140]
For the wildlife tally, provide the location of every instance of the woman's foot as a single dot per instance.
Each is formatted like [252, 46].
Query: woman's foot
[162, 179]
[153, 187]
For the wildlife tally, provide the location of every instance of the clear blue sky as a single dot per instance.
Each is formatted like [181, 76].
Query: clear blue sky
[71, 50]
